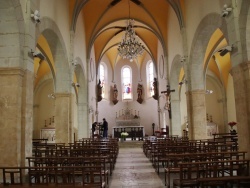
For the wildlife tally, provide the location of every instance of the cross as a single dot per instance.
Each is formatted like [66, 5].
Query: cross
[168, 91]
[168, 105]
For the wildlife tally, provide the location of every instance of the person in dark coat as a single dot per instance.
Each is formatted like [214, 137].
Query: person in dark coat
[93, 128]
[105, 128]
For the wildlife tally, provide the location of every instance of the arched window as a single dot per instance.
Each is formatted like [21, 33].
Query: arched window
[126, 83]
[102, 74]
[150, 78]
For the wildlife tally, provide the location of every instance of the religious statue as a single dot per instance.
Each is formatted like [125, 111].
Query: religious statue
[115, 94]
[99, 91]
[139, 92]
[155, 87]
[168, 100]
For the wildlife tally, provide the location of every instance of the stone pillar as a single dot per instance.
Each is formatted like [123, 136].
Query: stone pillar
[241, 79]
[196, 110]
[16, 104]
[83, 128]
[62, 117]
[176, 117]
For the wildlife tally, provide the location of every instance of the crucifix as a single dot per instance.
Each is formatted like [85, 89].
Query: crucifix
[168, 105]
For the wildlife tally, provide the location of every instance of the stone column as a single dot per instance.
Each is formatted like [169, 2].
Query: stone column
[16, 104]
[241, 79]
[62, 117]
[83, 128]
[176, 120]
[196, 110]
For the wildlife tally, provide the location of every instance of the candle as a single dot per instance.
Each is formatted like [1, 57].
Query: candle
[116, 114]
[138, 112]
[135, 112]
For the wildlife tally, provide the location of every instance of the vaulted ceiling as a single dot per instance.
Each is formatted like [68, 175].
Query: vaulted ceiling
[106, 20]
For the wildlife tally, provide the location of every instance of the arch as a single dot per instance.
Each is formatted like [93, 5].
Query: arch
[48, 28]
[82, 105]
[175, 127]
[201, 38]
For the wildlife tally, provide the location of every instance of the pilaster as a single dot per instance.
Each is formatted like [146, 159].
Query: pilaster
[241, 79]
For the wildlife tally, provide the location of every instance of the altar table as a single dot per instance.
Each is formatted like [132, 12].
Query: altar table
[134, 132]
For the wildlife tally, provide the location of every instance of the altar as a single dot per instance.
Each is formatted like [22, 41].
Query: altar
[134, 132]
[130, 123]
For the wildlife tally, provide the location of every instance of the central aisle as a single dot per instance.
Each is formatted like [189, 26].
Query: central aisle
[134, 170]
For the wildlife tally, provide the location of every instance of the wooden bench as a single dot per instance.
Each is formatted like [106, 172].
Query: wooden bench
[213, 173]
[91, 176]
[173, 160]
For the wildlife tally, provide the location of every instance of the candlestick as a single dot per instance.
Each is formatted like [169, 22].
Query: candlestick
[45, 124]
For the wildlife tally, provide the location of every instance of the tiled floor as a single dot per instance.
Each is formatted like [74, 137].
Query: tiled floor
[134, 170]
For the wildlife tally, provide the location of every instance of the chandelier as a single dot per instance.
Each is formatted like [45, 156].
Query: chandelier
[130, 46]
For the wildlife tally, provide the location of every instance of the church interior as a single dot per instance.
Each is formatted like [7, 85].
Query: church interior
[153, 69]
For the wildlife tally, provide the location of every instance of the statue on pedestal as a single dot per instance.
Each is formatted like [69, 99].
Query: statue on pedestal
[139, 91]
[99, 91]
[155, 87]
[115, 95]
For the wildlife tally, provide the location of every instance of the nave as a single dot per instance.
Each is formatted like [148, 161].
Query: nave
[134, 170]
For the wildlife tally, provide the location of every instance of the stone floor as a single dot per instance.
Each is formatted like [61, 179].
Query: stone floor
[133, 169]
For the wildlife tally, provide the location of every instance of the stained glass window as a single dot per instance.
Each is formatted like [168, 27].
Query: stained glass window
[126, 83]
[150, 71]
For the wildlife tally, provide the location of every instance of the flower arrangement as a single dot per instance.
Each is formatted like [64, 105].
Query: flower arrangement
[232, 123]
[124, 134]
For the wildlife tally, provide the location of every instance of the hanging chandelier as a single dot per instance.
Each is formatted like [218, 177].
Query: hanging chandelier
[130, 46]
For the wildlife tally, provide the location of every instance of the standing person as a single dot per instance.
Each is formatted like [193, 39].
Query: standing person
[93, 128]
[105, 128]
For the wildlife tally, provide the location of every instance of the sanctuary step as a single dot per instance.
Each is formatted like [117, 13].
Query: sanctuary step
[130, 144]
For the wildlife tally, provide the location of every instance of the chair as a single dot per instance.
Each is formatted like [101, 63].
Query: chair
[12, 176]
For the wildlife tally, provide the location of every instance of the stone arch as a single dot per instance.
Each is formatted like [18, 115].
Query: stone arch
[48, 28]
[175, 96]
[201, 38]
[82, 106]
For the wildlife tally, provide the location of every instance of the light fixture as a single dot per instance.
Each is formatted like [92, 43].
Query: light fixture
[36, 16]
[51, 96]
[37, 54]
[183, 82]
[130, 46]
[226, 10]
[209, 91]
[225, 50]
[75, 84]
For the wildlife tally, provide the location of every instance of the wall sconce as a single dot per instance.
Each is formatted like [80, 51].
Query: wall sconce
[225, 50]
[226, 10]
[209, 91]
[36, 16]
[183, 82]
[74, 63]
[51, 96]
[37, 54]
[75, 84]
[182, 59]
[91, 110]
